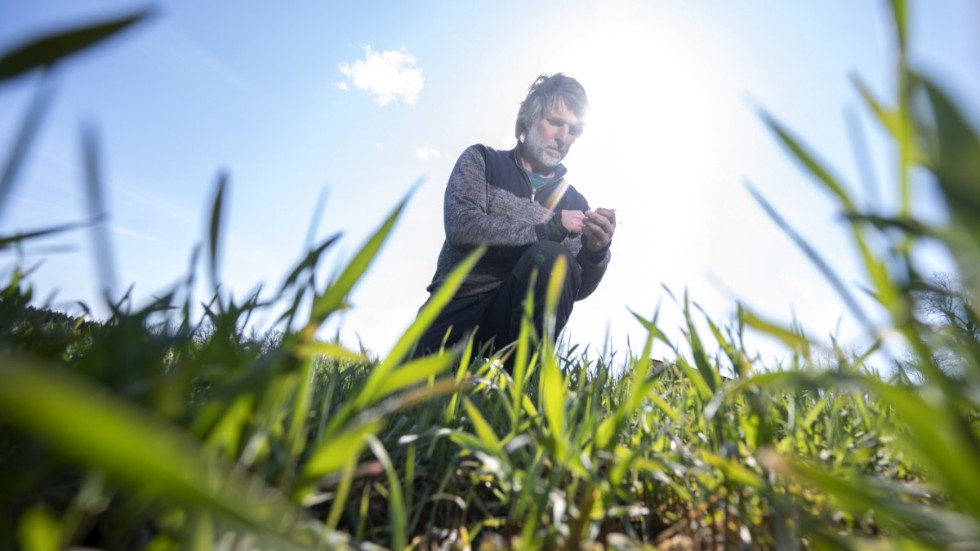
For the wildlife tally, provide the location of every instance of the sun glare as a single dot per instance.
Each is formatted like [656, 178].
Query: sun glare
[649, 152]
[650, 122]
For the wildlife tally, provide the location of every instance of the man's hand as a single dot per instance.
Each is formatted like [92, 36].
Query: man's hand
[573, 221]
[598, 227]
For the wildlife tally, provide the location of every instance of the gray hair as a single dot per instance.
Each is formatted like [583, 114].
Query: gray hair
[546, 93]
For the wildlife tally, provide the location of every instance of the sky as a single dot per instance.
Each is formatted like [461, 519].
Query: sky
[359, 104]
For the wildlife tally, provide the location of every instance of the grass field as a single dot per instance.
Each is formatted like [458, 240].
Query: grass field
[161, 429]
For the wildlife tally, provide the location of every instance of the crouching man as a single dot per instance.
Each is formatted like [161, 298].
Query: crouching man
[518, 204]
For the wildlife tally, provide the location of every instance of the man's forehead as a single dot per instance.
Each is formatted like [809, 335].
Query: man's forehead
[561, 110]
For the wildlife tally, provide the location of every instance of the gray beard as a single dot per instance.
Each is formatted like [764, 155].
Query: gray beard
[538, 158]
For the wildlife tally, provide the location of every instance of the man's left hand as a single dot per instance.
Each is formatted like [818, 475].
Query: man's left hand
[599, 226]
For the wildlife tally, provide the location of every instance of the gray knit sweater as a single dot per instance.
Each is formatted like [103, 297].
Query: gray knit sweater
[489, 201]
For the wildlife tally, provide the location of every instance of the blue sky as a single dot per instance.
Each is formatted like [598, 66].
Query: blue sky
[360, 100]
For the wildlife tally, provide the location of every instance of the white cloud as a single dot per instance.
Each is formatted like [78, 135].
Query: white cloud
[343, 86]
[385, 76]
[426, 153]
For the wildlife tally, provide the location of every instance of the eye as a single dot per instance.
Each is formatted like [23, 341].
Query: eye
[575, 130]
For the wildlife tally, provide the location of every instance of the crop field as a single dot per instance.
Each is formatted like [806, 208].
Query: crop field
[160, 429]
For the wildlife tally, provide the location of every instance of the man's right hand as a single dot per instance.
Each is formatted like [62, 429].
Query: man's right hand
[599, 226]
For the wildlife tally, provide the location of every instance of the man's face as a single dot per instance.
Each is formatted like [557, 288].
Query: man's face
[549, 138]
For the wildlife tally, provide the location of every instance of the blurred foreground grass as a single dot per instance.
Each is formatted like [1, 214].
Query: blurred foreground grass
[155, 429]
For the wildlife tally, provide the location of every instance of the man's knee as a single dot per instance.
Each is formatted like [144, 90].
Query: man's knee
[543, 255]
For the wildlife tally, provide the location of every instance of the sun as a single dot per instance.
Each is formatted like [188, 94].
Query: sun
[649, 127]
[649, 151]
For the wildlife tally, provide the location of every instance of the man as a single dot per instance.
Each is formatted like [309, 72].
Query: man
[518, 204]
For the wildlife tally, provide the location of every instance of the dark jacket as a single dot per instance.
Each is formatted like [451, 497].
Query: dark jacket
[490, 201]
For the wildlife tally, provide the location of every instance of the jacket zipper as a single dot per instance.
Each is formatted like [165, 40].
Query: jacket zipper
[527, 180]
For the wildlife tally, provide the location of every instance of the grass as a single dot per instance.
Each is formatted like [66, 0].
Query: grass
[132, 433]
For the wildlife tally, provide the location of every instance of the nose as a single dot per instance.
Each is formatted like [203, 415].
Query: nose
[564, 135]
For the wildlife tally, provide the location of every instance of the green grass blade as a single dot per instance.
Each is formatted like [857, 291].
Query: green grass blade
[739, 363]
[98, 213]
[895, 511]
[483, 429]
[709, 376]
[340, 496]
[322, 350]
[214, 229]
[802, 155]
[334, 296]
[955, 159]
[474, 443]
[39, 531]
[21, 144]
[335, 441]
[301, 408]
[338, 450]
[461, 370]
[47, 50]
[523, 364]
[553, 388]
[901, 23]
[733, 470]
[886, 117]
[200, 533]
[317, 216]
[404, 377]
[397, 516]
[377, 379]
[18, 238]
[224, 436]
[432, 307]
[554, 395]
[133, 447]
[664, 406]
[941, 439]
[793, 339]
[814, 257]
[608, 429]
[308, 263]
[553, 293]
[954, 156]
